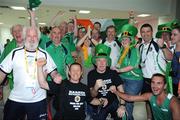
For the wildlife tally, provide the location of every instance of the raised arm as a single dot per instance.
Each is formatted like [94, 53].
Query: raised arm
[32, 18]
[52, 21]
[94, 90]
[41, 75]
[167, 53]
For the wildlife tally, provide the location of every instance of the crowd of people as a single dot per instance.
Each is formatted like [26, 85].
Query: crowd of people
[70, 72]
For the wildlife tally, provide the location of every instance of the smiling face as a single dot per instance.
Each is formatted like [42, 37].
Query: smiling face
[175, 37]
[31, 39]
[75, 73]
[146, 34]
[111, 33]
[55, 35]
[17, 33]
[157, 85]
[101, 64]
[126, 42]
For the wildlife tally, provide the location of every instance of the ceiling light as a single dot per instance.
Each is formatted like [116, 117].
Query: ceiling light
[17, 8]
[42, 23]
[1, 23]
[143, 15]
[84, 11]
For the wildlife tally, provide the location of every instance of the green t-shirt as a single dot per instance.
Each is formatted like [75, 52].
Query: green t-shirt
[61, 56]
[161, 112]
[43, 40]
[10, 46]
[131, 59]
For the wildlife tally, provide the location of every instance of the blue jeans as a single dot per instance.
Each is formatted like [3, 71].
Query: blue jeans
[102, 113]
[131, 87]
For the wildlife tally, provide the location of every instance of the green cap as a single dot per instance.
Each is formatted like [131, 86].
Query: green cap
[102, 51]
[34, 3]
[128, 30]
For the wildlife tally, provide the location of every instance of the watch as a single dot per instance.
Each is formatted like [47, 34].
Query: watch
[164, 46]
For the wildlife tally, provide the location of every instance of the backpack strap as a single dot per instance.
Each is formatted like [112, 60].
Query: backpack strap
[155, 46]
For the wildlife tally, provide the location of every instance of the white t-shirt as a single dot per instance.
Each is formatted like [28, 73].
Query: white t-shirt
[114, 55]
[23, 63]
[149, 61]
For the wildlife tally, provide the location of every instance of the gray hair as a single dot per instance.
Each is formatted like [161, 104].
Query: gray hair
[11, 29]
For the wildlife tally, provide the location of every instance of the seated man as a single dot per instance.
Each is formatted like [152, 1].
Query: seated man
[99, 81]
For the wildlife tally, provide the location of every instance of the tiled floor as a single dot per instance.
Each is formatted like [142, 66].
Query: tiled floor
[139, 111]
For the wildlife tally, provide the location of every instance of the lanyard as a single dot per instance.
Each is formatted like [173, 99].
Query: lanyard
[27, 65]
[146, 52]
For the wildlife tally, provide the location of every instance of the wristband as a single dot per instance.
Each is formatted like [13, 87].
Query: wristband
[164, 46]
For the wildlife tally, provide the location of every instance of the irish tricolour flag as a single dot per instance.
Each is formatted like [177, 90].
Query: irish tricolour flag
[118, 23]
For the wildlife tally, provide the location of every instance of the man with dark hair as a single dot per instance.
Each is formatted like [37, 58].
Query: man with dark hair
[112, 42]
[97, 26]
[164, 105]
[72, 93]
[152, 60]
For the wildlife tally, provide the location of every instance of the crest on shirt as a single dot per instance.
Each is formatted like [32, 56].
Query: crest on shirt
[77, 99]
[114, 44]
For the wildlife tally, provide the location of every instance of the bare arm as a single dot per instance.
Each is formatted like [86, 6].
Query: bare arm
[42, 75]
[125, 69]
[75, 26]
[32, 18]
[135, 98]
[94, 90]
[175, 108]
[130, 98]
[42, 78]
[2, 76]
[120, 89]
[167, 54]
[52, 21]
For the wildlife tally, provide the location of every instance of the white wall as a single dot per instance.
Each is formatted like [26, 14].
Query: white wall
[4, 34]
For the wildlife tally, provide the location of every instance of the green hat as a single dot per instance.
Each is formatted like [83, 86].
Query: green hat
[167, 27]
[163, 28]
[175, 23]
[130, 31]
[34, 3]
[102, 51]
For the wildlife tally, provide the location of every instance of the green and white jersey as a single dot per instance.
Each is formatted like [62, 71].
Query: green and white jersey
[23, 64]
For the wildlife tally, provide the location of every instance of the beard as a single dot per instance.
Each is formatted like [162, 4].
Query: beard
[31, 45]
